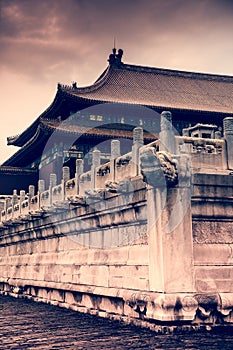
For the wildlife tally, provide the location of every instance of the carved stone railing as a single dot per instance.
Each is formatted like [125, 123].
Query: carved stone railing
[57, 193]
[203, 153]
[24, 208]
[45, 200]
[71, 188]
[35, 203]
[98, 178]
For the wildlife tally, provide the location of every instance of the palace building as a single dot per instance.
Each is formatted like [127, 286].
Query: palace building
[124, 96]
[145, 237]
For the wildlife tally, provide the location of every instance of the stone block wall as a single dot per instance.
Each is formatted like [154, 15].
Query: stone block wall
[80, 257]
[212, 212]
[61, 263]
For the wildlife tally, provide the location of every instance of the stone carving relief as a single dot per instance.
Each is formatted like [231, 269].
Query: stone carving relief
[201, 146]
[158, 168]
[198, 309]
[212, 231]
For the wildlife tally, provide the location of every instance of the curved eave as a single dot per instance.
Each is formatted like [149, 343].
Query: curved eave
[60, 99]
[85, 100]
[28, 151]
[8, 170]
[22, 139]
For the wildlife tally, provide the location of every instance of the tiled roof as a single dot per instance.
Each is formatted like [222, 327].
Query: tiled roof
[160, 88]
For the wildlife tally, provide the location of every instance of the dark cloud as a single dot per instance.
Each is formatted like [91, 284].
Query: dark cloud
[44, 37]
[43, 42]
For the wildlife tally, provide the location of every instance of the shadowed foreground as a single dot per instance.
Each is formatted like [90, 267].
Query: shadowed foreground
[28, 325]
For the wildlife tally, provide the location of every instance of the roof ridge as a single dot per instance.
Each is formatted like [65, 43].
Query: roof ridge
[169, 71]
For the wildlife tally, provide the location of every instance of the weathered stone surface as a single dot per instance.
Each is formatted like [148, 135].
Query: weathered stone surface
[212, 231]
[214, 278]
[213, 254]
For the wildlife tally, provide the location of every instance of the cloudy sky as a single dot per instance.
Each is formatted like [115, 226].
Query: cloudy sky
[43, 42]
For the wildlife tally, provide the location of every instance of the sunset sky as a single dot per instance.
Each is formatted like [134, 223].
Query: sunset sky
[43, 42]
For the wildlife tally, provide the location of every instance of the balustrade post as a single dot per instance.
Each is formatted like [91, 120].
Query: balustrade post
[65, 178]
[79, 171]
[2, 206]
[95, 163]
[31, 193]
[166, 135]
[41, 188]
[8, 203]
[138, 142]
[52, 183]
[65, 173]
[115, 153]
[21, 199]
[14, 201]
[228, 135]
[218, 135]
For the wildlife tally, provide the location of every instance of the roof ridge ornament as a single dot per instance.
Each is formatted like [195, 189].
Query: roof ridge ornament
[74, 85]
[115, 58]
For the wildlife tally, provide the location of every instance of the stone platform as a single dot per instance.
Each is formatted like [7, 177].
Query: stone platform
[147, 236]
